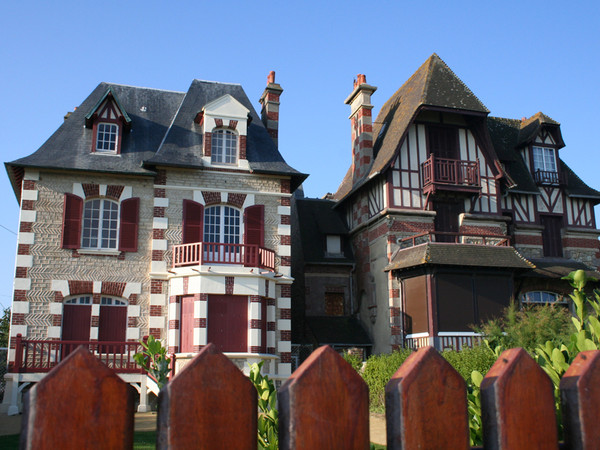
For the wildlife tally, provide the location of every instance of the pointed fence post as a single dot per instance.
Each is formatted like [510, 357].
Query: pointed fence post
[426, 404]
[324, 404]
[81, 403]
[209, 404]
[580, 394]
[517, 404]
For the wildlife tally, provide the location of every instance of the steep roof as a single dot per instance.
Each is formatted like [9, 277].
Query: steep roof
[162, 132]
[317, 219]
[436, 253]
[433, 84]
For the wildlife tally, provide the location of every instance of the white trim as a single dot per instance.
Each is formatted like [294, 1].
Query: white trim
[233, 191]
[26, 237]
[28, 215]
[101, 252]
[160, 223]
[158, 299]
[458, 333]
[159, 244]
[29, 195]
[132, 288]
[31, 175]
[161, 202]
[417, 335]
[156, 322]
[22, 284]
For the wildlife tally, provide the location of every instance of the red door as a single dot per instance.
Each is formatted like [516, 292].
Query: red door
[187, 325]
[76, 325]
[112, 327]
[228, 322]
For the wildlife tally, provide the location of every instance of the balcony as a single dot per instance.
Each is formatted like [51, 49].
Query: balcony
[550, 177]
[454, 238]
[450, 174]
[200, 253]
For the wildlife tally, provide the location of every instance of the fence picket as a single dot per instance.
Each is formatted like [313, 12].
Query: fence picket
[81, 403]
[324, 404]
[426, 404]
[210, 403]
[580, 394]
[517, 404]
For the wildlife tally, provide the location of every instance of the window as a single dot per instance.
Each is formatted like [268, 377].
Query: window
[106, 137]
[85, 300]
[222, 225]
[100, 222]
[544, 165]
[93, 224]
[224, 147]
[542, 297]
[334, 245]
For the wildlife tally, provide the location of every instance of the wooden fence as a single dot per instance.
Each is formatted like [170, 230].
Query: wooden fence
[324, 405]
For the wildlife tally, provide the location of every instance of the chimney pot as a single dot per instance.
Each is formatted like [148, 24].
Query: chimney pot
[271, 77]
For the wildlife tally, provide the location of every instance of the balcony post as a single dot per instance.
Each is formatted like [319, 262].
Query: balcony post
[18, 352]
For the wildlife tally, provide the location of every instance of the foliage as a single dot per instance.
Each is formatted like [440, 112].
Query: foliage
[474, 408]
[154, 360]
[268, 418]
[353, 359]
[377, 372]
[479, 358]
[4, 327]
[528, 327]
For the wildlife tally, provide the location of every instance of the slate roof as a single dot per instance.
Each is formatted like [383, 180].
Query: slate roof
[559, 267]
[162, 132]
[450, 254]
[433, 84]
[317, 219]
[338, 330]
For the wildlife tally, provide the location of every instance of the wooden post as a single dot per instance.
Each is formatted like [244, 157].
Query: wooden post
[209, 404]
[324, 404]
[18, 353]
[580, 394]
[517, 404]
[81, 403]
[426, 404]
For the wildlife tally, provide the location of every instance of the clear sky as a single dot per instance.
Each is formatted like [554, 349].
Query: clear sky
[517, 57]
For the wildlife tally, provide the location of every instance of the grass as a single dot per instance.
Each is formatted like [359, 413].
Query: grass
[142, 440]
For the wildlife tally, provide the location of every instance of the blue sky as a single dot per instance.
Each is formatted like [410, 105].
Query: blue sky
[517, 57]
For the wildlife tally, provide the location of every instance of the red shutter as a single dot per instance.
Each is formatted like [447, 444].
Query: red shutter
[72, 212]
[193, 221]
[128, 230]
[254, 225]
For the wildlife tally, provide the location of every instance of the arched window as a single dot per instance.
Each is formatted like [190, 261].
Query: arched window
[100, 223]
[224, 147]
[542, 297]
[222, 225]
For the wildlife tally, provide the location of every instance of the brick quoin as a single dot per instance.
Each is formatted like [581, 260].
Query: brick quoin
[286, 313]
[114, 191]
[270, 326]
[255, 299]
[286, 357]
[159, 211]
[174, 324]
[174, 299]
[156, 287]
[58, 297]
[286, 335]
[364, 112]
[395, 312]
[254, 349]
[211, 198]
[28, 185]
[132, 322]
[95, 321]
[394, 293]
[113, 288]
[19, 295]
[207, 143]
[286, 291]
[285, 219]
[161, 177]
[23, 249]
[25, 227]
[91, 190]
[396, 331]
[286, 187]
[158, 255]
[160, 193]
[286, 239]
[158, 234]
[133, 299]
[203, 297]
[27, 205]
[270, 302]
[80, 287]
[285, 201]
[273, 115]
[56, 320]
[229, 282]
[173, 349]
[255, 324]
[21, 272]
[242, 147]
[154, 332]
[18, 319]
[96, 299]
[155, 310]
[219, 122]
[232, 124]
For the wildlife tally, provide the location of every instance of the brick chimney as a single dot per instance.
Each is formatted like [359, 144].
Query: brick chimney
[269, 100]
[362, 127]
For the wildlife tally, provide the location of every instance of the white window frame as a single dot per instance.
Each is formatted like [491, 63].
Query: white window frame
[80, 300]
[218, 226]
[107, 137]
[334, 245]
[224, 147]
[105, 234]
[112, 301]
[544, 159]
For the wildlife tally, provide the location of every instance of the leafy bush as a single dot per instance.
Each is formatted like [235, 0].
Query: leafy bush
[528, 327]
[353, 359]
[378, 371]
[268, 417]
[154, 360]
[479, 358]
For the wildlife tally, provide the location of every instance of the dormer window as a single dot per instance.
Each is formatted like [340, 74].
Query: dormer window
[334, 245]
[224, 147]
[107, 137]
[544, 165]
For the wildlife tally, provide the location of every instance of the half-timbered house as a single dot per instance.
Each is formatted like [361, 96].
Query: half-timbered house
[452, 212]
[152, 212]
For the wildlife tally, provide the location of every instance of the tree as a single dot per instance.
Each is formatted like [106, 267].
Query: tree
[4, 327]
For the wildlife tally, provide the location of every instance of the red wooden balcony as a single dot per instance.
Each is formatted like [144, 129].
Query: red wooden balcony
[455, 238]
[199, 253]
[550, 177]
[450, 174]
[37, 356]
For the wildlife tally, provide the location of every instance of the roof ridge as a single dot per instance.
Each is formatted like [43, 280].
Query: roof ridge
[216, 82]
[141, 87]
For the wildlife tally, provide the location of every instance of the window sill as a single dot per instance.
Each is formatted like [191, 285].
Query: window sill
[90, 251]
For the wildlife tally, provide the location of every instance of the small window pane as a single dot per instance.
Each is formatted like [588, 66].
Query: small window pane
[224, 147]
[106, 138]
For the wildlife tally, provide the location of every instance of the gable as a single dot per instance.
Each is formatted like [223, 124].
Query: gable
[226, 106]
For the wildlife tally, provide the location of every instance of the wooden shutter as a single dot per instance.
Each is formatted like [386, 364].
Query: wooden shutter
[551, 235]
[193, 221]
[228, 322]
[128, 231]
[254, 225]
[72, 213]
[112, 327]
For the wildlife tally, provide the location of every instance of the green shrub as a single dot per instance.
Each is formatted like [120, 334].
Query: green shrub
[353, 359]
[529, 327]
[378, 371]
[467, 360]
